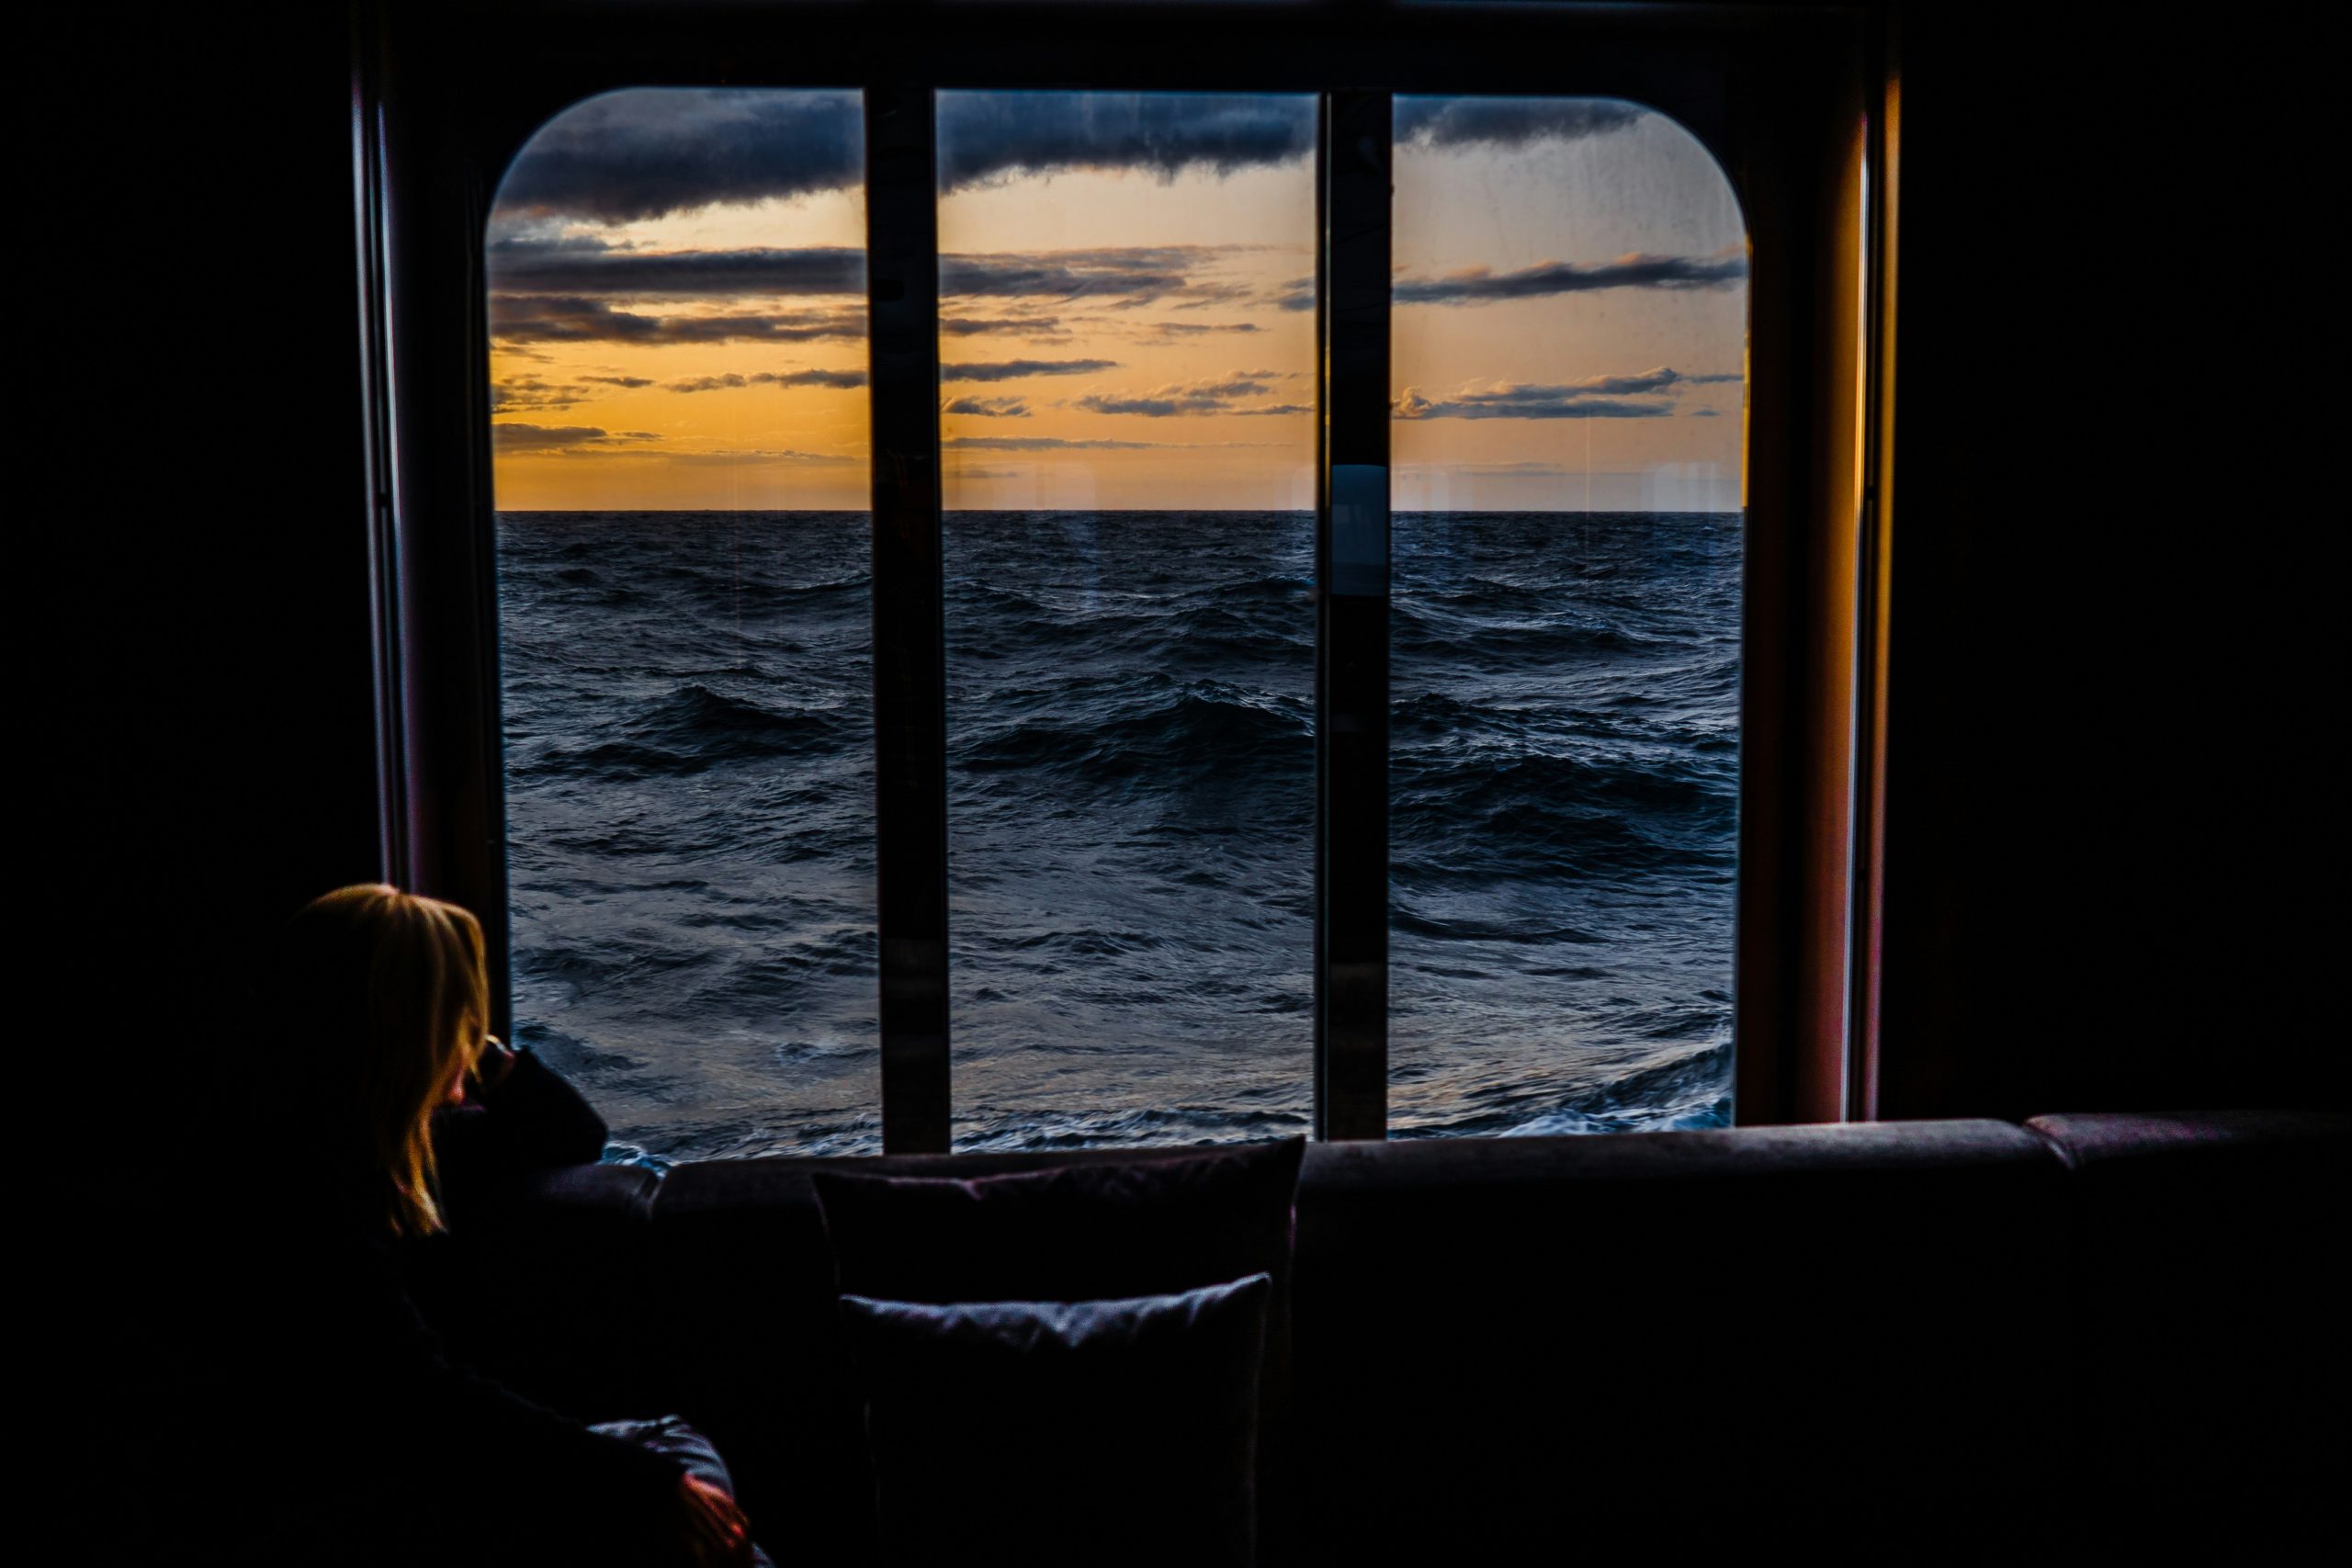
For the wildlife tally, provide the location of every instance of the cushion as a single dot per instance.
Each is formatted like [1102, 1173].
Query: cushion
[1046, 1432]
[1153, 1225]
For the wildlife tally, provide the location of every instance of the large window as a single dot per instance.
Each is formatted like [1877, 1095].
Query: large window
[1311, 554]
[1570, 332]
[678, 368]
[1127, 418]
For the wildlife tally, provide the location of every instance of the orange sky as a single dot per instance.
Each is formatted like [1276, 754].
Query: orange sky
[1172, 374]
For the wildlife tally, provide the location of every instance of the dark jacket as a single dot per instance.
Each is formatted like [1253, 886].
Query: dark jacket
[308, 1414]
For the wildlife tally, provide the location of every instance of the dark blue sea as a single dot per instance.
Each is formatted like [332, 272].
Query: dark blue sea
[1131, 752]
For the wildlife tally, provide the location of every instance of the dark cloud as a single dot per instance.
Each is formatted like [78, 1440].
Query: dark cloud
[989, 473]
[1580, 408]
[537, 265]
[1009, 326]
[839, 380]
[571, 319]
[1642, 383]
[987, 408]
[1508, 122]
[986, 136]
[632, 382]
[591, 441]
[1125, 277]
[585, 441]
[1595, 397]
[647, 152]
[1200, 296]
[516, 437]
[1658, 380]
[1016, 369]
[1148, 407]
[1479, 285]
[1221, 394]
[519, 392]
[1173, 331]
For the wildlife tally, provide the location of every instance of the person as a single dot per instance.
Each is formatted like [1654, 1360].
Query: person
[384, 1450]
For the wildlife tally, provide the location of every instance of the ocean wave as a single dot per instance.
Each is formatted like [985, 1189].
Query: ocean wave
[1198, 728]
[690, 794]
[693, 728]
[1686, 1090]
[994, 1129]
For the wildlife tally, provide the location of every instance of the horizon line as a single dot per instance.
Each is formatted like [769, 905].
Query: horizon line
[1301, 510]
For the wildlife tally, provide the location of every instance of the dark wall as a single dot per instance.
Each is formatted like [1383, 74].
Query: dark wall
[2114, 846]
[202, 730]
[2112, 601]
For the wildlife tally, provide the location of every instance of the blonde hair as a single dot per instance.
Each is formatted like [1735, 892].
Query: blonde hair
[393, 988]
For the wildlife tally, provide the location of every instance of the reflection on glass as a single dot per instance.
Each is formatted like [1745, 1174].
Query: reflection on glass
[1128, 348]
[1570, 322]
[677, 314]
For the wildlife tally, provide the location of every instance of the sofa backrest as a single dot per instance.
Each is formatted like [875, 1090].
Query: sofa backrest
[1580, 1341]
[1964, 1334]
[2210, 1384]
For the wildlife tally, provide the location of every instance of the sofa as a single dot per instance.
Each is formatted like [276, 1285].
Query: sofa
[2080, 1337]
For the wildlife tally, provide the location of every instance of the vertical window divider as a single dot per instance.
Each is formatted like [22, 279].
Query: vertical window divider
[910, 663]
[369, 182]
[1353, 193]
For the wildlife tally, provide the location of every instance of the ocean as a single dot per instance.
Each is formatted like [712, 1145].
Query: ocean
[689, 777]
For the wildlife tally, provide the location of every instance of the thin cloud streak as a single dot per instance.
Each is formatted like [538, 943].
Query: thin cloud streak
[1595, 397]
[1217, 395]
[534, 319]
[1481, 286]
[1594, 408]
[1018, 369]
[519, 392]
[1062, 443]
[1043, 444]
[514, 435]
[532, 265]
[1007, 326]
[586, 265]
[839, 380]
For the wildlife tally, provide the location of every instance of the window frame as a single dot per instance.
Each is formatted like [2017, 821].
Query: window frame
[1794, 104]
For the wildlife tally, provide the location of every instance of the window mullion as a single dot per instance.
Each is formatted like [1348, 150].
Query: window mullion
[1351, 583]
[910, 666]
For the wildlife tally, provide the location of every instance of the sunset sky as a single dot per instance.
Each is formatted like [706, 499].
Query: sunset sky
[678, 300]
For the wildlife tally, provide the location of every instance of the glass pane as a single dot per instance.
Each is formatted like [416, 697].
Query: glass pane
[1128, 357]
[677, 289]
[1570, 315]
